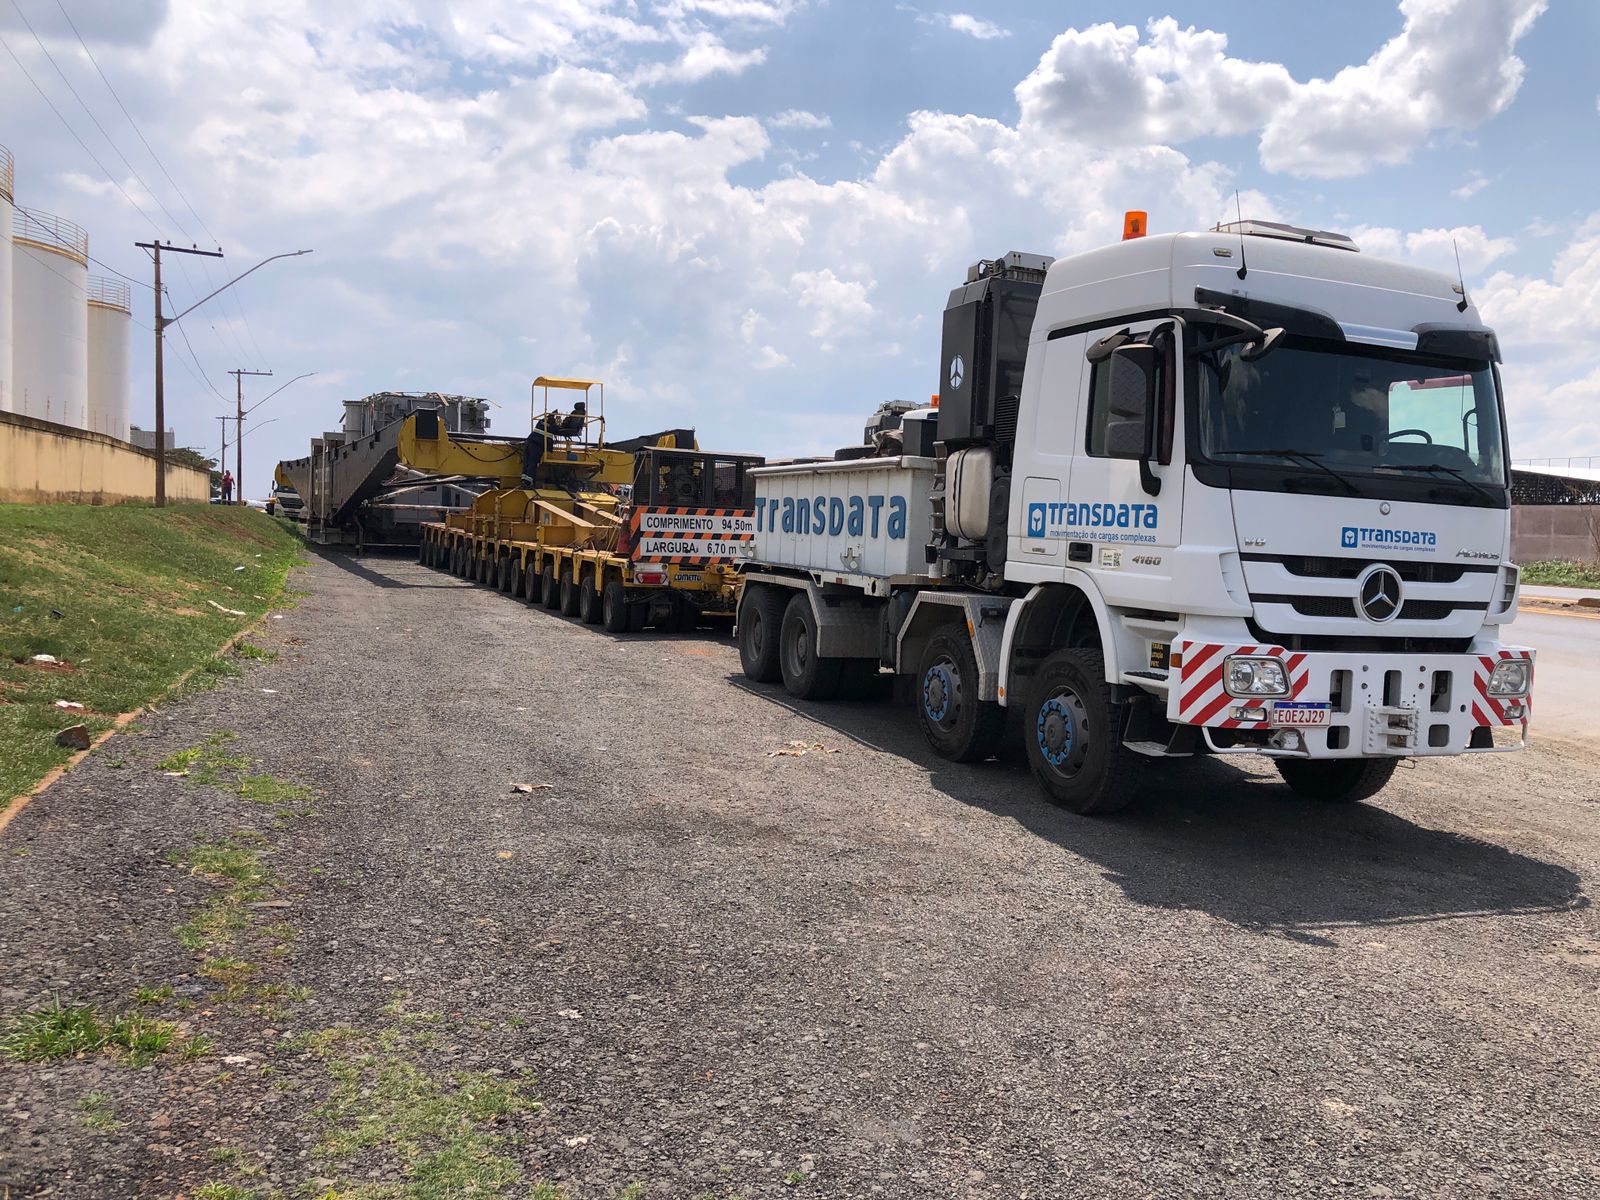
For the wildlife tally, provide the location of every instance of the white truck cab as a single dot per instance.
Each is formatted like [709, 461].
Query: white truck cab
[1235, 492]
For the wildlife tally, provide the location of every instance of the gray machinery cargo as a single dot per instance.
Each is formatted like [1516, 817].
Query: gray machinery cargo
[354, 490]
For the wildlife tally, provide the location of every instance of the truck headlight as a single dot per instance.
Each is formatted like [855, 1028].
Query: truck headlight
[1510, 677]
[1255, 677]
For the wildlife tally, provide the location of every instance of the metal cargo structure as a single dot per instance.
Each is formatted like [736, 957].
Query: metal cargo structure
[50, 317]
[110, 327]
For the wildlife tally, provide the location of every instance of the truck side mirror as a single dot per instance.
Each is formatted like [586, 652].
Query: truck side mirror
[1131, 407]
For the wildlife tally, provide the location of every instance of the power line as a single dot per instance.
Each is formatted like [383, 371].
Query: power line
[50, 58]
[205, 268]
[135, 125]
[92, 156]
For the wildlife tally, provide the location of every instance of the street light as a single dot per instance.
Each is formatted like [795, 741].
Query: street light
[155, 247]
[243, 412]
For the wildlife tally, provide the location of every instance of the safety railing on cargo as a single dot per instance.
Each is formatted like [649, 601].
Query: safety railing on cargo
[58, 233]
[8, 174]
[113, 293]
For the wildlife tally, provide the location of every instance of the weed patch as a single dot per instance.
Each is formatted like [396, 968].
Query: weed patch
[1558, 572]
[446, 1135]
[57, 1030]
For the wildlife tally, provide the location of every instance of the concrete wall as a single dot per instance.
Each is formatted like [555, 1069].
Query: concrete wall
[45, 463]
[1544, 531]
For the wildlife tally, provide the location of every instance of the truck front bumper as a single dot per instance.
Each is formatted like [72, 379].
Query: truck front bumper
[1347, 705]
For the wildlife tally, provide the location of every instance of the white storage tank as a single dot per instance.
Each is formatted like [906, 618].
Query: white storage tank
[7, 192]
[110, 327]
[49, 317]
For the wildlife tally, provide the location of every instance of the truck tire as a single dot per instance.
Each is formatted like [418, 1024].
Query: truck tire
[805, 675]
[1072, 727]
[1337, 780]
[760, 625]
[514, 576]
[956, 723]
[458, 560]
[588, 600]
[486, 567]
[569, 593]
[614, 607]
[549, 589]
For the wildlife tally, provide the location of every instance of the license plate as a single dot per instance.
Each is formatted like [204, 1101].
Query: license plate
[1299, 713]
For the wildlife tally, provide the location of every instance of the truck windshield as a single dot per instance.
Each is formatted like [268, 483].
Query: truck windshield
[1355, 410]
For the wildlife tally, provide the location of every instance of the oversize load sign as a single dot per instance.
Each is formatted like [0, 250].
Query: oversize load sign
[692, 535]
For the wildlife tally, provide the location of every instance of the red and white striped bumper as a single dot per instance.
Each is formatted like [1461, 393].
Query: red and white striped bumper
[1398, 704]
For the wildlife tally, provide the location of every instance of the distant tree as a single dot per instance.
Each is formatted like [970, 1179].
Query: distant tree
[185, 457]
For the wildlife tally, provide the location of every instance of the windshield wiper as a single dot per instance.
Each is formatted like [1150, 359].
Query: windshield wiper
[1306, 456]
[1441, 469]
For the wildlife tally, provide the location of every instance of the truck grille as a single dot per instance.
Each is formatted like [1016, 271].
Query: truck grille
[1323, 567]
[1343, 606]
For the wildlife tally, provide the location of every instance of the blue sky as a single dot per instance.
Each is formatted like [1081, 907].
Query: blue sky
[746, 214]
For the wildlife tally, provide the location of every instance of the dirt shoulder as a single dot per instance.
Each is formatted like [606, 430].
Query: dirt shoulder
[692, 968]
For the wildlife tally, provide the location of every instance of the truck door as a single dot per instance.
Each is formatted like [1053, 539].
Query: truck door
[1046, 449]
[1121, 501]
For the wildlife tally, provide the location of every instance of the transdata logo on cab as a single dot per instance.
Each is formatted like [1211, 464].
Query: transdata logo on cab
[1355, 537]
[1045, 518]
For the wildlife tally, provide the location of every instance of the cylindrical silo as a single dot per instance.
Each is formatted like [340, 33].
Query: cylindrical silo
[110, 326]
[49, 317]
[7, 191]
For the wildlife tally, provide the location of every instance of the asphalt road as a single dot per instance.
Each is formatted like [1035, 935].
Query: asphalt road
[734, 973]
[1567, 672]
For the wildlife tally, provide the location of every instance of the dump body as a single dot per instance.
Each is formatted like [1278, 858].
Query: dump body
[866, 517]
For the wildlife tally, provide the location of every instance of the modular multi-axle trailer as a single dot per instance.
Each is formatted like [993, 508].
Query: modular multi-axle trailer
[629, 534]
[1235, 492]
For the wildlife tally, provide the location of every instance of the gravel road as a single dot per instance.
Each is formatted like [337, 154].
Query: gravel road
[723, 973]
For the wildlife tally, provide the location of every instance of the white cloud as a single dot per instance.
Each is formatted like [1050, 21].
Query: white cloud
[1435, 248]
[798, 118]
[1547, 327]
[975, 26]
[1451, 67]
[704, 56]
[1476, 181]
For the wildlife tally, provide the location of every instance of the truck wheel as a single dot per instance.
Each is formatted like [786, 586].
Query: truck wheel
[458, 561]
[549, 589]
[588, 600]
[1337, 780]
[1074, 737]
[805, 675]
[614, 607]
[514, 577]
[957, 724]
[569, 593]
[760, 622]
[486, 565]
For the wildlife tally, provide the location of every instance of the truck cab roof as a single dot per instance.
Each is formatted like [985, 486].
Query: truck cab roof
[1369, 299]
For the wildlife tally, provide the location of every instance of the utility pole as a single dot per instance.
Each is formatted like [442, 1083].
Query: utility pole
[238, 429]
[155, 247]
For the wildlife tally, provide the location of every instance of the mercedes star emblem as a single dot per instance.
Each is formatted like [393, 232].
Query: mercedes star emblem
[1379, 594]
[958, 372]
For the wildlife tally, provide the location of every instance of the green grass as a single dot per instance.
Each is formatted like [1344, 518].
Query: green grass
[1557, 572]
[132, 584]
[99, 1112]
[446, 1135]
[56, 1030]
